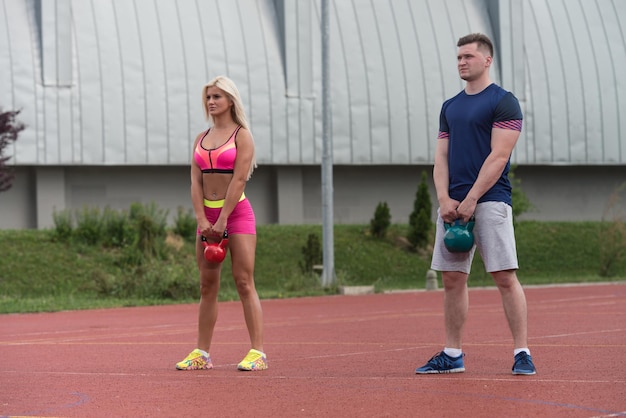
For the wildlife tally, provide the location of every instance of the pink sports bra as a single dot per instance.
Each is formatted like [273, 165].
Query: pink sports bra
[217, 160]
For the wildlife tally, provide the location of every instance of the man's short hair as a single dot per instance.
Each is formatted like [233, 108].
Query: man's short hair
[482, 40]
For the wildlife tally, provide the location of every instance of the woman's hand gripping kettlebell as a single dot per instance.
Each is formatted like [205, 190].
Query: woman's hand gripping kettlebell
[215, 252]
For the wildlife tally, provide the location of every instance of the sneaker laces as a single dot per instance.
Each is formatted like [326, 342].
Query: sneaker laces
[252, 356]
[441, 360]
[193, 355]
[523, 359]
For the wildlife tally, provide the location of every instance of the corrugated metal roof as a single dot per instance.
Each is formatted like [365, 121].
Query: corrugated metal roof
[137, 72]
[126, 90]
[574, 86]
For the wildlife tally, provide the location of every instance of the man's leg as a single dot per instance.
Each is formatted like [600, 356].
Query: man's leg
[455, 306]
[516, 311]
[514, 303]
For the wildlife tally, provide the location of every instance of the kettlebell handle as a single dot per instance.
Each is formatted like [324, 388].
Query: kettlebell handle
[458, 222]
[225, 235]
[215, 252]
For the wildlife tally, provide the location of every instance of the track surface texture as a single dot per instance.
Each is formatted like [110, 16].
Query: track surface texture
[336, 356]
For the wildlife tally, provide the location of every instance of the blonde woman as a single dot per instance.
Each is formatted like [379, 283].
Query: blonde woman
[223, 161]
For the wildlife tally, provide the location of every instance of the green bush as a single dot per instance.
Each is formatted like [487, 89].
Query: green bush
[63, 225]
[117, 228]
[89, 226]
[139, 232]
[312, 254]
[420, 223]
[185, 224]
[520, 201]
[381, 221]
[612, 239]
[149, 223]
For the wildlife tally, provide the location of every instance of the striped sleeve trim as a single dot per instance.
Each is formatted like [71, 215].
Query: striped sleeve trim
[443, 135]
[514, 125]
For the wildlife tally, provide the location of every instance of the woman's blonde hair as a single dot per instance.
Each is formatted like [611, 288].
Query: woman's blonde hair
[237, 112]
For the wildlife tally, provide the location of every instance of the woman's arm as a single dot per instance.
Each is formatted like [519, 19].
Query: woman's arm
[197, 193]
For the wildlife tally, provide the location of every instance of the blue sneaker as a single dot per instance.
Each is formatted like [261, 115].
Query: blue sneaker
[524, 364]
[442, 363]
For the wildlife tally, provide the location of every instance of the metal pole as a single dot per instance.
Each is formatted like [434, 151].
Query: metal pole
[328, 274]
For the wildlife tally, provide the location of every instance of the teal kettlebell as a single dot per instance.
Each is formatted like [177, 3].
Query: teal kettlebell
[459, 237]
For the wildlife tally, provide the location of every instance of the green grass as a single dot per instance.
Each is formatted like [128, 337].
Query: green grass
[38, 273]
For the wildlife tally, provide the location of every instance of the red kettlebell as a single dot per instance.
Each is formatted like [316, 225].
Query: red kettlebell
[215, 252]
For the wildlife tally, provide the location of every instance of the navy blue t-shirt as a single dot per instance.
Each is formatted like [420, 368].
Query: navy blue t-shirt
[467, 121]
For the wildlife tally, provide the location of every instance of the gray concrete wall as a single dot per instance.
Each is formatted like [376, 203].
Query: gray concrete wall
[567, 193]
[292, 195]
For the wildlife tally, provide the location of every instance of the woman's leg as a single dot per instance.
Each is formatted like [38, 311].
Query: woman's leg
[209, 288]
[242, 251]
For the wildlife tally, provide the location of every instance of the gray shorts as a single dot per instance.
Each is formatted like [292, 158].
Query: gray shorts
[494, 237]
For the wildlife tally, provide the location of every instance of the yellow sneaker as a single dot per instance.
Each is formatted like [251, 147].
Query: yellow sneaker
[195, 361]
[255, 360]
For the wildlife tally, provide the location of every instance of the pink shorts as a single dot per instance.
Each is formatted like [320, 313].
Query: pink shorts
[240, 221]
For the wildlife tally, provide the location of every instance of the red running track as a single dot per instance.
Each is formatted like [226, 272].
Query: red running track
[337, 356]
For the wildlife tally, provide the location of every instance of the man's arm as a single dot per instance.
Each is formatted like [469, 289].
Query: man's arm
[502, 143]
[441, 178]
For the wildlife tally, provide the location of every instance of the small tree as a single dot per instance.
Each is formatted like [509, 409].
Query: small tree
[312, 254]
[420, 222]
[520, 201]
[613, 234]
[381, 221]
[9, 130]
